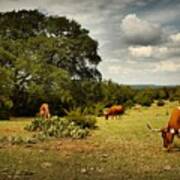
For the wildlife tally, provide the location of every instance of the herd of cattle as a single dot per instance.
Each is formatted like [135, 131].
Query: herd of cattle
[168, 133]
[112, 111]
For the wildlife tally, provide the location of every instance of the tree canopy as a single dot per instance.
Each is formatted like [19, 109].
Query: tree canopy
[52, 39]
[40, 56]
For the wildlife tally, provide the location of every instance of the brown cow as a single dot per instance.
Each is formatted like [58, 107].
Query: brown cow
[172, 128]
[44, 111]
[114, 111]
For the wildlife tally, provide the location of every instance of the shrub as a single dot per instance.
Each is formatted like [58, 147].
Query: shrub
[160, 103]
[129, 103]
[4, 114]
[144, 99]
[5, 106]
[84, 121]
[12, 139]
[99, 108]
[58, 127]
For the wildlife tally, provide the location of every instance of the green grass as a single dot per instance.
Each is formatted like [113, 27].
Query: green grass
[118, 149]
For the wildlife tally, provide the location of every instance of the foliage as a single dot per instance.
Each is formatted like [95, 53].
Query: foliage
[80, 119]
[129, 103]
[86, 93]
[160, 103]
[115, 93]
[40, 56]
[57, 127]
[176, 95]
[145, 97]
[55, 40]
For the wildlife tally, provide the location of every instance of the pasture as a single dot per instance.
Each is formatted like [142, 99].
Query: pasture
[118, 149]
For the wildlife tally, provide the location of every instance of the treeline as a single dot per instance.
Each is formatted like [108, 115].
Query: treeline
[52, 59]
[91, 97]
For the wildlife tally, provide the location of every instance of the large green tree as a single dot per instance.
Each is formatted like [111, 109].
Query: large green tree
[40, 56]
[56, 40]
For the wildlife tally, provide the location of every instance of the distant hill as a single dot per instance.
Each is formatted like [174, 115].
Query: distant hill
[142, 86]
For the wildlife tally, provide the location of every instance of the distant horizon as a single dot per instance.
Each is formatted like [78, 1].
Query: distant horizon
[142, 84]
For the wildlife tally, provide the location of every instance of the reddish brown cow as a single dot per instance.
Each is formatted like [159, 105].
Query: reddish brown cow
[172, 128]
[44, 111]
[114, 111]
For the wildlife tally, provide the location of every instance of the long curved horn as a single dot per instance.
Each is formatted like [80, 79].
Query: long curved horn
[152, 129]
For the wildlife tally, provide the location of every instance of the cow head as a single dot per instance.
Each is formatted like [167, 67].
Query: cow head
[168, 136]
[166, 133]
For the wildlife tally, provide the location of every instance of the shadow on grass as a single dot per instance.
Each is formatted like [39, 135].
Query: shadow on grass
[174, 149]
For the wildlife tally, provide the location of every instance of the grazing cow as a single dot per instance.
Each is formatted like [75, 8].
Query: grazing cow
[172, 128]
[44, 111]
[114, 111]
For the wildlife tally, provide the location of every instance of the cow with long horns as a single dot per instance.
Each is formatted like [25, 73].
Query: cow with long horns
[173, 128]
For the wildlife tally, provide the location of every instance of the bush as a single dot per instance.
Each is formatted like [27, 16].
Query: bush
[59, 127]
[84, 121]
[5, 106]
[143, 99]
[129, 103]
[146, 101]
[4, 114]
[160, 103]
[99, 108]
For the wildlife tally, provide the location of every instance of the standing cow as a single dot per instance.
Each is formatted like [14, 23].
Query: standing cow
[44, 111]
[114, 111]
[172, 128]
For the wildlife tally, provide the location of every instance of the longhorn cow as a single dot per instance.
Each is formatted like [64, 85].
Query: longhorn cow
[171, 130]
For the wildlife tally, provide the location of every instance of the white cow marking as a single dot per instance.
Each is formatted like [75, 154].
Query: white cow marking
[172, 130]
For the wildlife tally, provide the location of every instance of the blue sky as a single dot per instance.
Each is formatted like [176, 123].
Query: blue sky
[139, 40]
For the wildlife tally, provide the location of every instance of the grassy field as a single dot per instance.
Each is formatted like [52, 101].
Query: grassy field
[117, 149]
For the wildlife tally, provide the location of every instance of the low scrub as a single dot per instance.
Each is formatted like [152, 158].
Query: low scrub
[15, 139]
[81, 119]
[72, 126]
[160, 103]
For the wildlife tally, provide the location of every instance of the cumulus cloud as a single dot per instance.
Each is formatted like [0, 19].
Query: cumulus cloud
[140, 32]
[175, 38]
[168, 66]
[142, 51]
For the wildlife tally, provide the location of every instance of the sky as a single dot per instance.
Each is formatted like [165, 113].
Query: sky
[139, 40]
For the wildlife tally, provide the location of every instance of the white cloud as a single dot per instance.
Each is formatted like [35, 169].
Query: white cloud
[140, 32]
[156, 53]
[167, 66]
[141, 52]
[175, 38]
[163, 50]
[118, 69]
